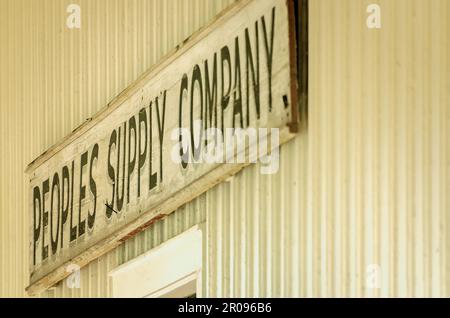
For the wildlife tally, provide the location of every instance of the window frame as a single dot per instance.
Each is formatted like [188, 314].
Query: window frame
[172, 269]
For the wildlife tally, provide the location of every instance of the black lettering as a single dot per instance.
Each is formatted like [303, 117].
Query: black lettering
[45, 190]
[237, 104]
[73, 229]
[120, 198]
[269, 52]
[82, 223]
[142, 154]
[65, 208]
[153, 176]
[55, 184]
[183, 155]
[93, 188]
[111, 173]
[211, 96]
[196, 78]
[36, 219]
[161, 122]
[225, 99]
[131, 162]
[255, 73]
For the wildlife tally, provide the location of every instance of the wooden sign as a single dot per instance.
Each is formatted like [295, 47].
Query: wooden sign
[166, 139]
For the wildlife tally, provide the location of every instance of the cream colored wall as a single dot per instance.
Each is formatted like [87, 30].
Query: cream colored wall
[365, 182]
[52, 79]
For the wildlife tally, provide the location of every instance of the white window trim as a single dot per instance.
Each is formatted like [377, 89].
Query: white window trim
[172, 269]
[182, 288]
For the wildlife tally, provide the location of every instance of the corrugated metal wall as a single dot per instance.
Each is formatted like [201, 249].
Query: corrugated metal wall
[365, 182]
[53, 78]
[366, 186]
[94, 277]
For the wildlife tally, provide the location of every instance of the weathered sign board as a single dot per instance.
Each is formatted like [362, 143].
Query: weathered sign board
[131, 164]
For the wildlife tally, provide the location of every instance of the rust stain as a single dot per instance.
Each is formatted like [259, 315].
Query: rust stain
[141, 228]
